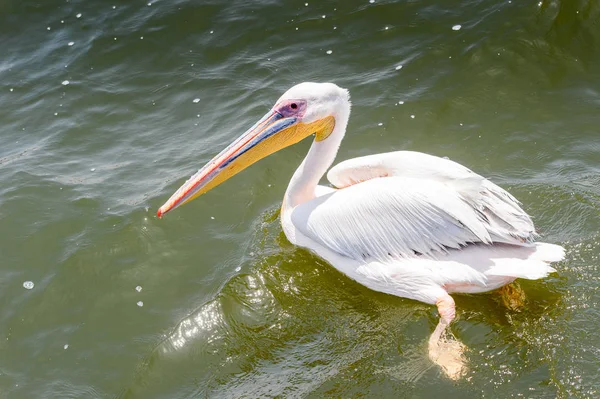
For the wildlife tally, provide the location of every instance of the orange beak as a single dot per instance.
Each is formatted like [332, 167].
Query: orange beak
[268, 135]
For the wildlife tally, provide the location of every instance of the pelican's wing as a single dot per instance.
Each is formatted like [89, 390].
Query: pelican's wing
[499, 209]
[400, 216]
[400, 163]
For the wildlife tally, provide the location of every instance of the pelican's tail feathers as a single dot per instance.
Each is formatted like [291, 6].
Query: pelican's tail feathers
[534, 267]
[548, 252]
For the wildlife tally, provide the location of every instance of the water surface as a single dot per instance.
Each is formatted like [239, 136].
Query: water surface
[108, 107]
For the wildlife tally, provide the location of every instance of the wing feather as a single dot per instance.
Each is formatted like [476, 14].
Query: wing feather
[406, 204]
[502, 211]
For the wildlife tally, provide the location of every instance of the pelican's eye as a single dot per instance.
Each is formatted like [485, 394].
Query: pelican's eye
[289, 108]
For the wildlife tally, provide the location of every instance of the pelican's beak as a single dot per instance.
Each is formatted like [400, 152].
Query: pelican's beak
[270, 134]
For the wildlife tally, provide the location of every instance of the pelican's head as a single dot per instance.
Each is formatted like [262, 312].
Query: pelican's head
[304, 109]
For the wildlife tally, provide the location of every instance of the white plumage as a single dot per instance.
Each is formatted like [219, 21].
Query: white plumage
[409, 224]
[406, 216]
[404, 223]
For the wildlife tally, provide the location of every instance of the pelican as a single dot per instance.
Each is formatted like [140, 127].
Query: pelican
[404, 223]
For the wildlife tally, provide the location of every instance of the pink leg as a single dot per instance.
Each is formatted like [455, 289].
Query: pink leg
[447, 312]
[448, 354]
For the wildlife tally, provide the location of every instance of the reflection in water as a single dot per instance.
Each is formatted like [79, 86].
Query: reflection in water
[202, 325]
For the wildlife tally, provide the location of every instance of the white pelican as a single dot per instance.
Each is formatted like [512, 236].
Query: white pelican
[404, 223]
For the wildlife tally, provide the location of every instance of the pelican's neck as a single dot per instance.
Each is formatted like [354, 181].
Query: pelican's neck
[318, 160]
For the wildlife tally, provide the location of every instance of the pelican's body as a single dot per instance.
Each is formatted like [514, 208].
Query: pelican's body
[404, 223]
[361, 230]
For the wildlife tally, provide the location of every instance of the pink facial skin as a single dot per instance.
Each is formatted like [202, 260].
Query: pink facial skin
[289, 108]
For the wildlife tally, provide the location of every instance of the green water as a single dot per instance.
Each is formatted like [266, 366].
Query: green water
[230, 309]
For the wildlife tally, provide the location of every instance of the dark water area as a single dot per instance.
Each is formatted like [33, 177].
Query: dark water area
[107, 107]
